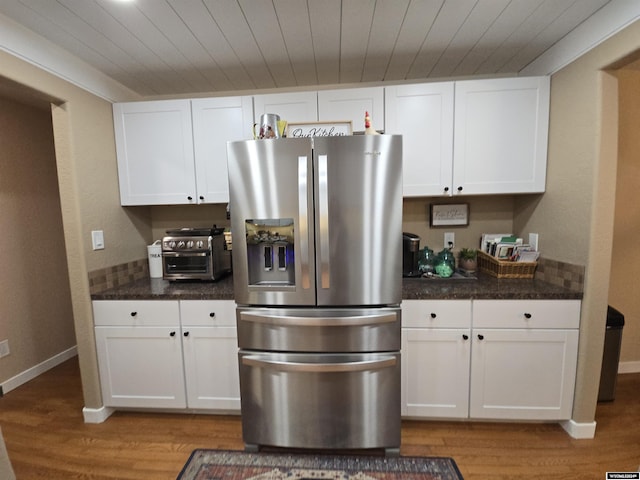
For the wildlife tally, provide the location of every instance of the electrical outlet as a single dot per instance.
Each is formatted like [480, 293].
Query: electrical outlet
[97, 239]
[449, 240]
[4, 348]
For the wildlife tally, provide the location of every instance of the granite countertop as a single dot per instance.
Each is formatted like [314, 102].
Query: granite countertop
[484, 287]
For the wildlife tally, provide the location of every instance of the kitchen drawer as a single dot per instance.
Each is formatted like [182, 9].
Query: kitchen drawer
[526, 313]
[208, 313]
[136, 313]
[436, 313]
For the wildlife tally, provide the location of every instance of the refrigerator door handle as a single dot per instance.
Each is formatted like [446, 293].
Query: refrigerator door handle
[339, 321]
[283, 365]
[303, 218]
[323, 207]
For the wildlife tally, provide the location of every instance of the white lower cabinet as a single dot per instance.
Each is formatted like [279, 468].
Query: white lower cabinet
[514, 359]
[210, 348]
[523, 359]
[435, 372]
[167, 354]
[436, 350]
[141, 366]
[139, 353]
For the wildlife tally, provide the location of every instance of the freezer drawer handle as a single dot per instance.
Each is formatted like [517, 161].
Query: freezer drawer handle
[319, 321]
[377, 364]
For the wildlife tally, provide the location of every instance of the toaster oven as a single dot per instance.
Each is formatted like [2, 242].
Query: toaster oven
[195, 254]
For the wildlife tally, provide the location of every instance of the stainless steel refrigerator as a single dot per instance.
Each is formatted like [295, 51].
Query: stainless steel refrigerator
[317, 266]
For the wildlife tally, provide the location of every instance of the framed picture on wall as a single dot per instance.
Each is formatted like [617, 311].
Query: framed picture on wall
[449, 214]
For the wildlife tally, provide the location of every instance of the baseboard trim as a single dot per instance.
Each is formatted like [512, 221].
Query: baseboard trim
[629, 367]
[579, 431]
[33, 372]
[96, 415]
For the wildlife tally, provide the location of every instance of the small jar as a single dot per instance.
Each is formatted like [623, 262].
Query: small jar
[445, 264]
[426, 260]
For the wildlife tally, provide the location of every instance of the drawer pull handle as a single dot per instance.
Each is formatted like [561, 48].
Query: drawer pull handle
[433, 315]
[133, 314]
[212, 314]
[465, 337]
[480, 337]
[172, 334]
[186, 334]
[527, 315]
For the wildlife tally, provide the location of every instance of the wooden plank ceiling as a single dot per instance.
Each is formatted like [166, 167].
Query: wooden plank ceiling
[172, 47]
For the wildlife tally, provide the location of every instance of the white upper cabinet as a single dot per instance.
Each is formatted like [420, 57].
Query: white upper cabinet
[351, 104]
[423, 114]
[501, 130]
[173, 152]
[292, 107]
[154, 146]
[325, 106]
[471, 137]
[215, 122]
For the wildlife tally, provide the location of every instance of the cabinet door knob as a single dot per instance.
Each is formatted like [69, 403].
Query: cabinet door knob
[480, 337]
[460, 188]
[186, 334]
[189, 198]
[433, 315]
[133, 314]
[212, 314]
[527, 315]
[201, 197]
[465, 336]
[172, 334]
[446, 189]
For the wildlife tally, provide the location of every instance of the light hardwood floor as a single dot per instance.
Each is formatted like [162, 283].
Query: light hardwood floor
[46, 438]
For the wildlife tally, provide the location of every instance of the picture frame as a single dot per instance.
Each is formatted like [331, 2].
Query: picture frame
[449, 214]
[338, 128]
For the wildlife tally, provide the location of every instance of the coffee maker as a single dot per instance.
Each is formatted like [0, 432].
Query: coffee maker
[410, 253]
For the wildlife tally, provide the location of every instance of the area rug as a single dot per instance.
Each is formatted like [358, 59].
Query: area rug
[236, 465]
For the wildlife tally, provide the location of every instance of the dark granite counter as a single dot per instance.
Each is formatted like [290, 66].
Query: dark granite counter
[158, 289]
[484, 287]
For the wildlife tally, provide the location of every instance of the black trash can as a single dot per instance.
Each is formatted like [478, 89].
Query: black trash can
[611, 355]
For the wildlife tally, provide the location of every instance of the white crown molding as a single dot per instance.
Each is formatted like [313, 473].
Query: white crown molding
[36, 50]
[602, 25]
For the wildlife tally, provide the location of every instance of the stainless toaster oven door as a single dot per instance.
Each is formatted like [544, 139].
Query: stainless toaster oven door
[184, 266]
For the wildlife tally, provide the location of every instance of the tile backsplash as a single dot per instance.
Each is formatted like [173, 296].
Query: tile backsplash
[551, 271]
[561, 274]
[118, 275]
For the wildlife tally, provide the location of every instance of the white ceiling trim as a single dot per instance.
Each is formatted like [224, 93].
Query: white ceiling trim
[36, 50]
[602, 25]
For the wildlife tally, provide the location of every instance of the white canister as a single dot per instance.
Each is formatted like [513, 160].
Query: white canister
[155, 259]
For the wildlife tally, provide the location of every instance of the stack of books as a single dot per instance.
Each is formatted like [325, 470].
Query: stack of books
[507, 247]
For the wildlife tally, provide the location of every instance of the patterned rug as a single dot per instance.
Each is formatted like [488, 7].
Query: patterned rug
[236, 465]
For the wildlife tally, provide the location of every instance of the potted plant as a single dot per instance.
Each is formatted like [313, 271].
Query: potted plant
[468, 260]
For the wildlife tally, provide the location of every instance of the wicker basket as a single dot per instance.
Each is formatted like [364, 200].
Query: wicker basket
[504, 269]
